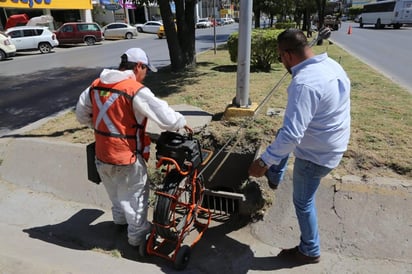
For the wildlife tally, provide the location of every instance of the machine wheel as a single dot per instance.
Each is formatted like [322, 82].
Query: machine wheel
[182, 258]
[165, 208]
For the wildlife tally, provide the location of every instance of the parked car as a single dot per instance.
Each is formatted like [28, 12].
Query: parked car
[79, 32]
[7, 48]
[203, 23]
[219, 22]
[149, 26]
[119, 31]
[228, 20]
[27, 38]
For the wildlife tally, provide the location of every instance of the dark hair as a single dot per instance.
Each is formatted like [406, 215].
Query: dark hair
[125, 64]
[293, 40]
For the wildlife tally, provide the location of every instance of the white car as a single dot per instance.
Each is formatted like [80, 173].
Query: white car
[7, 48]
[119, 31]
[27, 38]
[149, 26]
[203, 23]
[228, 20]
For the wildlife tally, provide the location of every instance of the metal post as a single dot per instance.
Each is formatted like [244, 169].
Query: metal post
[243, 59]
[214, 26]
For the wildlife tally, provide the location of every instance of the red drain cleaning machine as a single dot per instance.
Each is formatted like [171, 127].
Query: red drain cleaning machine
[179, 199]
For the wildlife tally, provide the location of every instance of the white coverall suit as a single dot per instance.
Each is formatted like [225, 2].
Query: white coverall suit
[128, 186]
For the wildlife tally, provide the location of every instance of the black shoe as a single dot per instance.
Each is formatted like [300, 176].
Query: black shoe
[294, 255]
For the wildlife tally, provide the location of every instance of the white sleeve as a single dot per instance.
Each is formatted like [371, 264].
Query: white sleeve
[84, 108]
[145, 103]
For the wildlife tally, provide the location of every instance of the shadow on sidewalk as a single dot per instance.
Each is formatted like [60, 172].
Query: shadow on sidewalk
[216, 252]
[78, 233]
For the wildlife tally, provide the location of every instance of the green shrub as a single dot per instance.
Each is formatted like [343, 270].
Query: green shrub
[232, 45]
[263, 48]
[285, 25]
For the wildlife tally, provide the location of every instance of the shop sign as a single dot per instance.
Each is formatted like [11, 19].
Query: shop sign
[47, 4]
[129, 4]
[110, 4]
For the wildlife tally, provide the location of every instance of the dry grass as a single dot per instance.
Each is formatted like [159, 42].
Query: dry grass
[381, 112]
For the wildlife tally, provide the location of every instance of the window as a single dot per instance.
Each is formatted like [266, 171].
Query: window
[379, 7]
[32, 32]
[93, 27]
[82, 27]
[15, 34]
[67, 28]
[28, 32]
[116, 26]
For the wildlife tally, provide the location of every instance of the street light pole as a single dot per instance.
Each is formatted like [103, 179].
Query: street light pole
[243, 59]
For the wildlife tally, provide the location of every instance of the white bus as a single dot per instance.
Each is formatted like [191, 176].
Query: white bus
[393, 13]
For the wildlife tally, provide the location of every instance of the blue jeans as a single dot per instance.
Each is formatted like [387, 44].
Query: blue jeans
[306, 179]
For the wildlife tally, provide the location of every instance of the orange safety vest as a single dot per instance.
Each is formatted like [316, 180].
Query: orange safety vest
[119, 137]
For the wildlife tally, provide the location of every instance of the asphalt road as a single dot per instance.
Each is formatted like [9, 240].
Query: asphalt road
[35, 86]
[387, 50]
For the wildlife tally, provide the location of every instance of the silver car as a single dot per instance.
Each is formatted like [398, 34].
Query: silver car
[119, 31]
[149, 26]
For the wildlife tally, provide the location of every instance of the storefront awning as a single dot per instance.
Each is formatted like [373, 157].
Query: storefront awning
[47, 4]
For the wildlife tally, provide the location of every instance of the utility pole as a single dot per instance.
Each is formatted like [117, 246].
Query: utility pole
[243, 59]
[214, 26]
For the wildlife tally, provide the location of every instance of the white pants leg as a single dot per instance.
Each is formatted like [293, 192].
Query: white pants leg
[128, 189]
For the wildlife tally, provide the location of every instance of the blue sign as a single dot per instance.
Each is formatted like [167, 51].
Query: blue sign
[112, 7]
[109, 2]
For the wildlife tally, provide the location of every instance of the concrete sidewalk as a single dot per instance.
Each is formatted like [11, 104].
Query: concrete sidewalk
[43, 233]
[52, 220]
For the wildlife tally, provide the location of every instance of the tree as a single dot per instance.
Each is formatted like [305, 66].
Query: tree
[258, 7]
[180, 31]
[321, 4]
[180, 37]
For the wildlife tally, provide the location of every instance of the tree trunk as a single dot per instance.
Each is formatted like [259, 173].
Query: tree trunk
[321, 4]
[257, 18]
[181, 43]
[187, 37]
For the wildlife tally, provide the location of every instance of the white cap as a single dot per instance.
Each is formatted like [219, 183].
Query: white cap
[137, 55]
